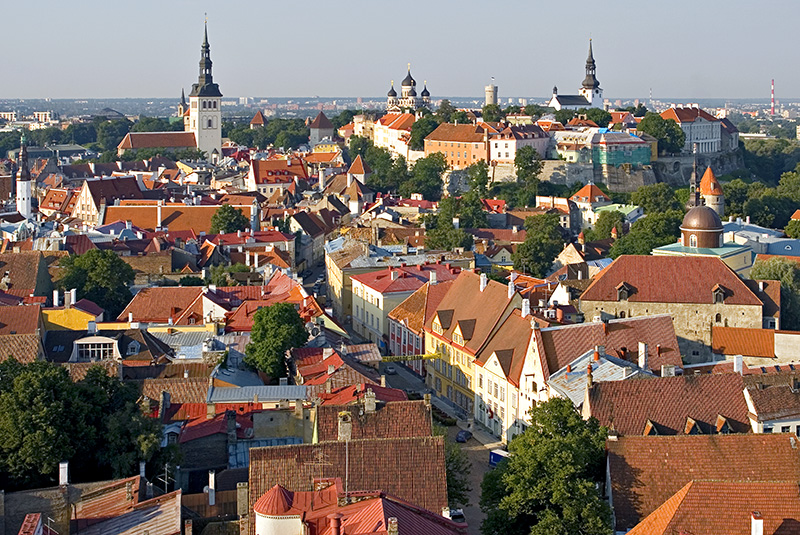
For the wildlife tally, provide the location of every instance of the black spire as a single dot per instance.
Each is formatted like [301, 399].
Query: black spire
[183, 99]
[23, 173]
[205, 86]
[694, 189]
[590, 82]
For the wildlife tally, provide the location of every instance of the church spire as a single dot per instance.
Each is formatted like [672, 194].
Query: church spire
[183, 99]
[23, 173]
[694, 189]
[590, 82]
[205, 86]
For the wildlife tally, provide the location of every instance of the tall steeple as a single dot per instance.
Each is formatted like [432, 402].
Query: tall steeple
[590, 82]
[24, 186]
[205, 86]
[183, 99]
[694, 188]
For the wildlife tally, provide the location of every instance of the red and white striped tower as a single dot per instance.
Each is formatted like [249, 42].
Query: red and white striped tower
[772, 98]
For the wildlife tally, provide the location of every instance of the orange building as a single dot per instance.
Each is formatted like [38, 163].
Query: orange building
[461, 144]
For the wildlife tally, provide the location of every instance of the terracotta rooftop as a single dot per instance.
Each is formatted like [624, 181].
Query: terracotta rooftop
[709, 185]
[405, 279]
[191, 390]
[258, 119]
[347, 395]
[154, 140]
[321, 121]
[774, 396]
[687, 115]
[646, 471]
[509, 345]
[666, 405]
[620, 337]
[410, 468]
[590, 193]
[359, 166]
[278, 170]
[468, 133]
[174, 217]
[25, 348]
[398, 419]
[23, 319]
[24, 269]
[712, 507]
[420, 306]
[645, 277]
[743, 341]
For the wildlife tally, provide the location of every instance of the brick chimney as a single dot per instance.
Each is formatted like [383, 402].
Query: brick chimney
[589, 379]
[335, 523]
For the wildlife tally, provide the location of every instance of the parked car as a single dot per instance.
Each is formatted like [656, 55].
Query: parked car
[390, 370]
[463, 436]
[495, 456]
[457, 515]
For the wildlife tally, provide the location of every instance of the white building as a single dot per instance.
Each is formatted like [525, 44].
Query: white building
[589, 95]
[503, 146]
[702, 130]
[205, 100]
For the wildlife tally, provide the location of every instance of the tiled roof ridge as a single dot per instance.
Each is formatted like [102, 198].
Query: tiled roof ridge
[614, 320]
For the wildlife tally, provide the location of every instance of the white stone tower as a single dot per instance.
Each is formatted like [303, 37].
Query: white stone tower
[205, 102]
[24, 186]
[491, 93]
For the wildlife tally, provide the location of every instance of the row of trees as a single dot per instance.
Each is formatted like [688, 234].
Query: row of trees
[277, 132]
[95, 424]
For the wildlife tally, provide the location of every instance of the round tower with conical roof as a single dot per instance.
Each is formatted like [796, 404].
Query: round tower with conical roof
[711, 191]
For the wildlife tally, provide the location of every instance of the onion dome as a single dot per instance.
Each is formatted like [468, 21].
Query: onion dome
[412, 92]
[392, 92]
[409, 81]
[425, 92]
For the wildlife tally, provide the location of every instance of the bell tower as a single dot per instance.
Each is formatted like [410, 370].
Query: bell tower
[590, 88]
[205, 102]
[24, 186]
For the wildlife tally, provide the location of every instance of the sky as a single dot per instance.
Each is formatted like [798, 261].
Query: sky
[680, 49]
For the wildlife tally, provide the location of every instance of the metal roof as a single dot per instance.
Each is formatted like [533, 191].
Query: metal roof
[262, 393]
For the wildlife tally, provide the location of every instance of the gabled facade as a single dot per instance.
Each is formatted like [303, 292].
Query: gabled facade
[702, 129]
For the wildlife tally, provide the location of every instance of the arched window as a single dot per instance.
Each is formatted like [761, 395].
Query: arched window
[204, 104]
[718, 318]
[621, 313]
[210, 123]
[692, 240]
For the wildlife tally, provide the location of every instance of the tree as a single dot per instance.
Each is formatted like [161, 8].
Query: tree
[534, 110]
[654, 230]
[736, 194]
[457, 468]
[358, 146]
[598, 115]
[110, 133]
[420, 130]
[789, 184]
[276, 329]
[228, 219]
[155, 124]
[548, 484]
[426, 178]
[655, 198]
[542, 244]
[529, 165]
[792, 229]
[788, 273]
[445, 111]
[492, 113]
[669, 134]
[101, 277]
[564, 116]
[606, 222]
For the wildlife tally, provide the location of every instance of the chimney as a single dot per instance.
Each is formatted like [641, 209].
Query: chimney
[643, 356]
[141, 469]
[667, 370]
[331, 369]
[212, 491]
[596, 355]
[383, 381]
[589, 380]
[211, 410]
[55, 298]
[73, 295]
[91, 327]
[394, 274]
[242, 499]
[484, 281]
[756, 523]
[456, 222]
[298, 408]
[747, 220]
[345, 425]
[738, 365]
[335, 523]
[526, 307]
[349, 179]
[391, 528]
[321, 179]
[369, 401]
[569, 368]
[158, 214]
[760, 286]
[427, 400]
[434, 277]
[511, 290]
[327, 352]
[187, 526]
[63, 473]
[186, 373]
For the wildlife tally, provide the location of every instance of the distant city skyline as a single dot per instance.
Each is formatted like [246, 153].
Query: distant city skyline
[683, 50]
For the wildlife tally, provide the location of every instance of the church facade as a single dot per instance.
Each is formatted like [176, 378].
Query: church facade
[590, 95]
[408, 100]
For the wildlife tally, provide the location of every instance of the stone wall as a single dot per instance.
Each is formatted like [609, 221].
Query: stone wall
[677, 170]
[692, 322]
[561, 172]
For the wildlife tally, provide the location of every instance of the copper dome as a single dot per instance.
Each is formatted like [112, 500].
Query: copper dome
[701, 218]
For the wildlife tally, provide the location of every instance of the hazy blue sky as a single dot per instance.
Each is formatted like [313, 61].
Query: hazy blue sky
[682, 49]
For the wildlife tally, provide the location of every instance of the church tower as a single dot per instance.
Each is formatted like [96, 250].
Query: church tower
[24, 186]
[205, 101]
[590, 88]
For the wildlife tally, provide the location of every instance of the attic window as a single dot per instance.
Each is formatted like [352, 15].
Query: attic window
[719, 295]
[723, 427]
[650, 429]
[691, 427]
[437, 327]
[133, 348]
[623, 291]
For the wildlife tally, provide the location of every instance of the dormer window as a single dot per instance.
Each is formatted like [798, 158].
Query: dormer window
[691, 427]
[437, 327]
[623, 291]
[133, 348]
[718, 294]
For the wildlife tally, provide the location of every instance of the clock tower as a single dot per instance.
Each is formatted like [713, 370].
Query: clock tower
[205, 100]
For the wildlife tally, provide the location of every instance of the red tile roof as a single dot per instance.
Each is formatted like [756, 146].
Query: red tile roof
[709, 185]
[176, 217]
[646, 277]
[646, 471]
[397, 419]
[687, 115]
[743, 341]
[25, 348]
[589, 193]
[24, 319]
[410, 468]
[712, 507]
[468, 133]
[419, 307]
[154, 140]
[359, 167]
[347, 395]
[774, 396]
[258, 119]
[561, 345]
[278, 170]
[320, 122]
[203, 427]
[181, 390]
[407, 279]
[667, 403]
